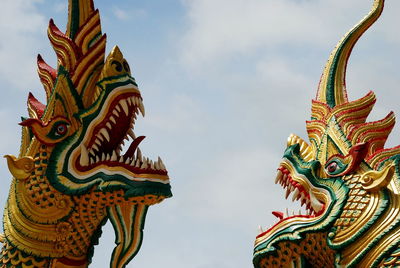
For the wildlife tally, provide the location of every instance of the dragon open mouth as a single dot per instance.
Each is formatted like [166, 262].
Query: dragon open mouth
[311, 198]
[108, 133]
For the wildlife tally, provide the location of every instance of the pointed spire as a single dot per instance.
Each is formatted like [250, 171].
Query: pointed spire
[78, 12]
[332, 86]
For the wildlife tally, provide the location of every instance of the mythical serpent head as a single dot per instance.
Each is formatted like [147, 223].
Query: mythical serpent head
[345, 179]
[72, 173]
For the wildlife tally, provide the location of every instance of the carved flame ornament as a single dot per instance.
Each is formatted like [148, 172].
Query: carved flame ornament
[347, 181]
[72, 173]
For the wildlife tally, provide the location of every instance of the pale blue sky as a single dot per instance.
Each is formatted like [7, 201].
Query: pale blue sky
[224, 84]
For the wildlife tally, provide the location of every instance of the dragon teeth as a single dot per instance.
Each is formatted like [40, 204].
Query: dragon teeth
[105, 134]
[112, 119]
[279, 176]
[114, 156]
[137, 163]
[315, 204]
[139, 154]
[144, 165]
[287, 192]
[124, 105]
[118, 109]
[131, 134]
[84, 160]
[295, 194]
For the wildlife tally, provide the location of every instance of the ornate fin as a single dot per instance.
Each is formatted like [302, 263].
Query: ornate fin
[332, 86]
[47, 75]
[35, 107]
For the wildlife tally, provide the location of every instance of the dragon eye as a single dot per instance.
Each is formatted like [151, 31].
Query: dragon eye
[331, 168]
[61, 129]
[335, 166]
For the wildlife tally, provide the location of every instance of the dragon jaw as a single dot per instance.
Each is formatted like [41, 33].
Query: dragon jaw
[99, 150]
[322, 199]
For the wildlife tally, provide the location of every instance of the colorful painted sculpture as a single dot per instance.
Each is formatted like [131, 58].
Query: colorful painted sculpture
[71, 175]
[346, 179]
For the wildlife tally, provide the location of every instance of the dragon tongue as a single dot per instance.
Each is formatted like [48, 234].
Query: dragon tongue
[128, 222]
[132, 148]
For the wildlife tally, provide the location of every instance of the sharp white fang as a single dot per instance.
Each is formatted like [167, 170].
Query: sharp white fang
[105, 133]
[137, 163]
[109, 125]
[100, 139]
[112, 119]
[139, 154]
[160, 162]
[129, 100]
[108, 157]
[156, 165]
[131, 133]
[279, 176]
[121, 159]
[144, 165]
[124, 105]
[295, 194]
[287, 192]
[315, 204]
[97, 159]
[118, 108]
[114, 156]
[84, 161]
[95, 147]
[127, 161]
[152, 164]
[103, 157]
[115, 113]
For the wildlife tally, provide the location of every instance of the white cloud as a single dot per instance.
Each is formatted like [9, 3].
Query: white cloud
[219, 29]
[20, 26]
[123, 14]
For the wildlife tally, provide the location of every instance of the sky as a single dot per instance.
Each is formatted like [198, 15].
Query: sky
[224, 83]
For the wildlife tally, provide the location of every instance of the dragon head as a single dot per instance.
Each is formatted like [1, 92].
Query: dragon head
[74, 144]
[345, 179]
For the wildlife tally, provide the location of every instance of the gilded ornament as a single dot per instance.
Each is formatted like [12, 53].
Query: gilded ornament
[345, 179]
[72, 175]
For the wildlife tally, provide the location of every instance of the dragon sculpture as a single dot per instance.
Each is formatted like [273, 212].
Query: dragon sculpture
[72, 173]
[344, 177]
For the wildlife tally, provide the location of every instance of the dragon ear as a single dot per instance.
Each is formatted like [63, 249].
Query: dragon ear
[115, 64]
[332, 86]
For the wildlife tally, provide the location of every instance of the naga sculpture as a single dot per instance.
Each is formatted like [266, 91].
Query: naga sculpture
[344, 177]
[72, 174]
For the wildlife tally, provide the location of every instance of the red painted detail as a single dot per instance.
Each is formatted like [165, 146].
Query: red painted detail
[278, 214]
[36, 105]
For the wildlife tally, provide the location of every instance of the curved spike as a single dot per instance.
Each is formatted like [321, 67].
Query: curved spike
[332, 86]
[78, 12]
[47, 76]
[35, 107]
